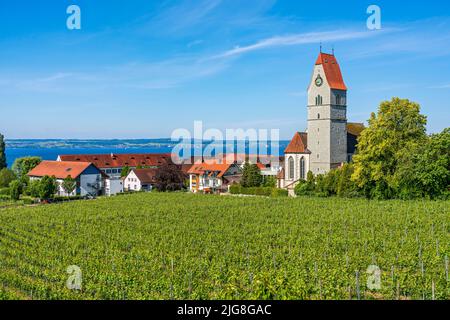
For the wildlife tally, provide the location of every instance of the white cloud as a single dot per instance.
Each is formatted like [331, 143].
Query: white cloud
[299, 39]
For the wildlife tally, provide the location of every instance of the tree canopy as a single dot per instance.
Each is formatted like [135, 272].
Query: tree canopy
[3, 163]
[251, 176]
[397, 128]
[169, 178]
[6, 177]
[24, 165]
[69, 184]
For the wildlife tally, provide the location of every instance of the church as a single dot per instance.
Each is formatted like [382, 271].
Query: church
[330, 141]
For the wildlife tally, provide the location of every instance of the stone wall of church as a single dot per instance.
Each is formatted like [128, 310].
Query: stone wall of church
[297, 158]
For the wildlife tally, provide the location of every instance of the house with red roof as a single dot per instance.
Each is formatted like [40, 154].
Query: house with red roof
[330, 139]
[89, 179]
[213, 176]
[112, 164]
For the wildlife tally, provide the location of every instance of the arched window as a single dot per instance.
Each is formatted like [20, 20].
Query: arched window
[302, 168]
[291, 168]
[319, 100]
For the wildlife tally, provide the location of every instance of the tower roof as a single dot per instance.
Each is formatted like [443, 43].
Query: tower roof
[332, 71]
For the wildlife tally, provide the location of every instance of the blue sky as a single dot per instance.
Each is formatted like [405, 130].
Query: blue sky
[141, 69]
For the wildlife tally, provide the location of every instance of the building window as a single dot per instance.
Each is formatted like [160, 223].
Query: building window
[291, 168]
[318, 116]
[338, 99]
[302, 168]
[319, 100]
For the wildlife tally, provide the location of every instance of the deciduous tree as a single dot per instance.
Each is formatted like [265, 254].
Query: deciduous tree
[394, 130]
[24, 165]
[69, 184]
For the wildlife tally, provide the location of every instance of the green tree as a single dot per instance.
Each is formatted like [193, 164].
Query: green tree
[169, 178]
[424, 170]
[47, 187]
[307, 187]
[33, 188]
[125, 171]
[395, 129]
[24, 165]
[270, 181]
[251, 176]
[69, 184]
[15, 189]
[345, 186]
[3, 163]
[6, 177]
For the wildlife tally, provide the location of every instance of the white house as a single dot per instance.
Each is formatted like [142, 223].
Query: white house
[89, 179]
[140, 180]
[113, 186]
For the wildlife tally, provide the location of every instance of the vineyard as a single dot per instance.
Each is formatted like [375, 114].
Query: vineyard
[183, 246]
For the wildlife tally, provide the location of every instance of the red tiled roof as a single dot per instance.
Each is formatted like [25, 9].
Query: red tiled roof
[146, 175]
[298, 144]
[201, 168]
[121, 160]
[355, 128]
[59, 169]
[332, 71]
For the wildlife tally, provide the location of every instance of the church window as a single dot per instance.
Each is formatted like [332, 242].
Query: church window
[318, 116]
[302, 168]
[291, 168]
[319, 100]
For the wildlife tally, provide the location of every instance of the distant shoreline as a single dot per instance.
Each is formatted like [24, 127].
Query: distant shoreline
[49, 149]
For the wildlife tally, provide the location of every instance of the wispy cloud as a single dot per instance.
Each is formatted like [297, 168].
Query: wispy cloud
[158, 75]
[299, 39]
[444, 86]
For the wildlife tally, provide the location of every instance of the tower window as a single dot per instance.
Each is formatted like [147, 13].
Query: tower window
[319, 100]
[318, 116]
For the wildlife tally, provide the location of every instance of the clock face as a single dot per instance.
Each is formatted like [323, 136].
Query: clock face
[319, 81]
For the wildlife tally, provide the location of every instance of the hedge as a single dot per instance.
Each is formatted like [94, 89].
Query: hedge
[258, 191]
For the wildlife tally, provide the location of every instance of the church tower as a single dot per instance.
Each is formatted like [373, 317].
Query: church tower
[327, 115]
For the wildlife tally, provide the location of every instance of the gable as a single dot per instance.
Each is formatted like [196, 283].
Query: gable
[298, 144]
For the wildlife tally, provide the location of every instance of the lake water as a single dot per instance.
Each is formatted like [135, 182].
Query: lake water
[50, 149]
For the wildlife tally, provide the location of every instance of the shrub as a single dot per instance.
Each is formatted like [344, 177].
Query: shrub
[235, 188]
[279, 192]
[6, 177]
[15, 190]
[4, 191]
[4, 197]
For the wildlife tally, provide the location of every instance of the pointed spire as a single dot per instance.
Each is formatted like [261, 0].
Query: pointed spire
[332, 50]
